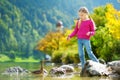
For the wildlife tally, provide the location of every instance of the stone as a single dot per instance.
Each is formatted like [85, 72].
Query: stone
[15, 70]
[115, 66]
[62, 70]
[68, 68]
[92, 68]
[56, 71]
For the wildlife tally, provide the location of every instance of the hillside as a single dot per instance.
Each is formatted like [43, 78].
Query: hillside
[24, 22]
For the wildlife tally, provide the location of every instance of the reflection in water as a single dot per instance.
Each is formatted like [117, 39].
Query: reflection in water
[48, 77]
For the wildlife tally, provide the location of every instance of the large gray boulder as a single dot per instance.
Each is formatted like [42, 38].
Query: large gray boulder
[92, 68]
[115, 66]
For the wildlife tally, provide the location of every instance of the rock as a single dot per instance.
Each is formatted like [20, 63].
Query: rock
[111, 69]
[114, 63]
[92, 68]
[102, 61]
[56, 71]
[15, 70]
[115, 66]
[62, 70]
[68, 68]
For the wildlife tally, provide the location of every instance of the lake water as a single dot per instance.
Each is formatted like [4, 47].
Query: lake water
[36, 66]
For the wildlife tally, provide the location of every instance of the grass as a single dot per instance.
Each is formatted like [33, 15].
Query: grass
[4, 58]
[30, 59]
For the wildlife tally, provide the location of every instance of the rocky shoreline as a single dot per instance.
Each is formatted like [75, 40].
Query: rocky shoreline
[111, 69]
[98, 69]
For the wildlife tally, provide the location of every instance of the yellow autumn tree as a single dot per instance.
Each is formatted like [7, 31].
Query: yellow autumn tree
[50, 42]
[54, 41]
[113, 21]
[56, 45]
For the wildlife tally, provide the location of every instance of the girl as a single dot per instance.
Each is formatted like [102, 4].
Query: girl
[85, 28]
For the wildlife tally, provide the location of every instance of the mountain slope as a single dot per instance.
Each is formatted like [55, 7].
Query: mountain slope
[24, 22]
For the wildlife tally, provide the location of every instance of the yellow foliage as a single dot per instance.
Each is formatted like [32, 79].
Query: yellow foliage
[52, 41]
[113, 21]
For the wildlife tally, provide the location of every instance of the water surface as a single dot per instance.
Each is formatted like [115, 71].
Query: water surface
[36, 66]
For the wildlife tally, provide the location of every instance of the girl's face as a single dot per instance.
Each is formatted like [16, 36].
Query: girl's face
[83, 16]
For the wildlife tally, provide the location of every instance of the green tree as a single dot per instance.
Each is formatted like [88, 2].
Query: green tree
[104, 42]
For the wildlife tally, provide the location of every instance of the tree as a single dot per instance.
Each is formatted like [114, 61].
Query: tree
[50, 43]
[113, 21]
[106, 40]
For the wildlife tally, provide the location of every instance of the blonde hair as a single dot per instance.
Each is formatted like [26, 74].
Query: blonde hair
[84, 10]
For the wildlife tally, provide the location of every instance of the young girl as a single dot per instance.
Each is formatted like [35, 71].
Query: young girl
[85, 28]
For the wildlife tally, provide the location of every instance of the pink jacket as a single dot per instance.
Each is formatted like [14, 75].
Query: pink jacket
[85, 27]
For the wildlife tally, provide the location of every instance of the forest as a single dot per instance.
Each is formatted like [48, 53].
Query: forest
[27, 30]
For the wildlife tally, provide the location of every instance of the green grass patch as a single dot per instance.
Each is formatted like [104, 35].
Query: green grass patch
[30, 59]
[4, 58]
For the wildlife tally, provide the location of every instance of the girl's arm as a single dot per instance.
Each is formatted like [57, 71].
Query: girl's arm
[92, 28]
[75, 31]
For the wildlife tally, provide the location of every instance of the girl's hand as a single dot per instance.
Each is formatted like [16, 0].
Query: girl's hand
[68, 38]
[88, 33]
